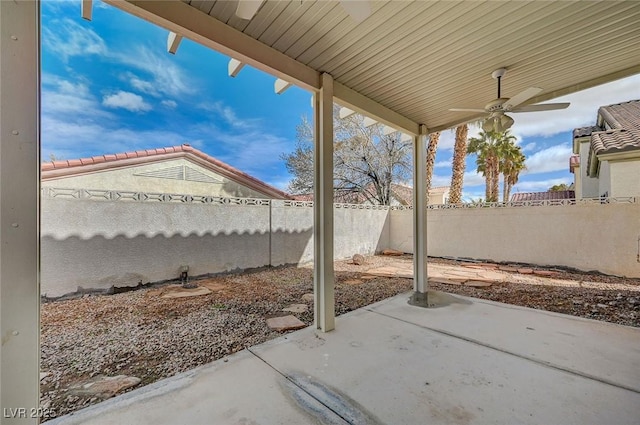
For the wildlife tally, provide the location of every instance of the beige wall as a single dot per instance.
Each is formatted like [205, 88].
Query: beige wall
[601, 237]
[99, 244]
[590, 188]
[577, 181]
[625, 178]
[128, 179]
[604, 180]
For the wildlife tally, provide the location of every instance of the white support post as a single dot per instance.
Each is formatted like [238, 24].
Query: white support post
[234, 67]
[87, 9]
[420, 219]
[173, 42]
[19, 206]
[281, 85]
[323, 274]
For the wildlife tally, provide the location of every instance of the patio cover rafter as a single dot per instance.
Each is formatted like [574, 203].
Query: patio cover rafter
[191, 23]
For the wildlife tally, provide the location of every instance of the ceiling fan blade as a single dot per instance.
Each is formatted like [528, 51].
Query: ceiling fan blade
[359, 10]
[466, 110]
[248, 8]
[542, 107]
[523, 96]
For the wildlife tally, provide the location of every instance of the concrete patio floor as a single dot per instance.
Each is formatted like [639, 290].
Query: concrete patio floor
[465, 361]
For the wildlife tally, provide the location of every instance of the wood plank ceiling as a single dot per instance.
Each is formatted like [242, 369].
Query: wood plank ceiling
[421, 58]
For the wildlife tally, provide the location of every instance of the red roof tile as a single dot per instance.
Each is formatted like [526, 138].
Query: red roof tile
[543, 196]
[574, 161]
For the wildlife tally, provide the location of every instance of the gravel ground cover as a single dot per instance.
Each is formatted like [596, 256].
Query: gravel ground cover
[141, 334]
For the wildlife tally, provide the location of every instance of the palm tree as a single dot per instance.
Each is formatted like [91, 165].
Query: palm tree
[512, 162]
[459, 163]
[488, 146]
[434, 138]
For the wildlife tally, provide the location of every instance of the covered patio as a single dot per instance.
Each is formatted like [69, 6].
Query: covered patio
[464, 361]
[402, 64]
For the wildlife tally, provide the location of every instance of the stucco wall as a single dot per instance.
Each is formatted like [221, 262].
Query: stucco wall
[625, 178]
[586, 237]
[99, 244]
[590, 188]
[604, 179]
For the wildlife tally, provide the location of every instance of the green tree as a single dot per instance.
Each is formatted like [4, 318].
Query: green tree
[489, 148]
[365, 162]
[511, 163]
[559, 187]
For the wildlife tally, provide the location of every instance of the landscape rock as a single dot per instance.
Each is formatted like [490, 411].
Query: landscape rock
[353, 282]
[181, 292]
[545, 273]
[358, 259]
[105, 386]
[392, 252]
[285, 323]
[308, 297]
[296, 308]
[478, 283]
[525, 271]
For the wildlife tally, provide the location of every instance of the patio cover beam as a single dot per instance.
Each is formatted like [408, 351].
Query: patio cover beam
[323, 273]
[181, 18]
[19, 211]
[420, 219]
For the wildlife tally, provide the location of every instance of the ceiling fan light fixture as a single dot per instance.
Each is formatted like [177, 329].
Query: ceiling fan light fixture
[506, 121]
[487, 125]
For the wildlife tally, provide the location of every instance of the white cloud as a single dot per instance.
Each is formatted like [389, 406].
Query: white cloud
[166, 78]
[228, 115]
[71, 39]
[529, 147]
[171, 104]
[444, 164]
[471, 178]
[69, 100]
[555, 158]
[539, 185]
[126, 100]
[582, 112]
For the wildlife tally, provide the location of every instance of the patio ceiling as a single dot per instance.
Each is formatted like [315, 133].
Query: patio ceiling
[419, 58]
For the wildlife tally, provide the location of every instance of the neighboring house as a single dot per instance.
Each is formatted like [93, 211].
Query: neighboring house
[178, 169]
[543, 196]
[401, 195]
[607, 156]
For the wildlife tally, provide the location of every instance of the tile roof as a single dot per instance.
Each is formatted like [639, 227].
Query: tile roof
[624, 115]
[543, 196]
[585, 131]
[102, 162]
[624, 135]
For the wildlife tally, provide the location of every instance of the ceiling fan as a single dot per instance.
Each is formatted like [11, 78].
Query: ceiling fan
[498, 120]
[358, 10]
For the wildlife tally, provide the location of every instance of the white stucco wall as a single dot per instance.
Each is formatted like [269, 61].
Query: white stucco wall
[129, 179]
[625, 178]
[585, 237]
[99, 244]
[604, 180]
[590, 185]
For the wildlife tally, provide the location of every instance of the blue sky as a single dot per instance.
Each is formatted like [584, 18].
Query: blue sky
[110, 86]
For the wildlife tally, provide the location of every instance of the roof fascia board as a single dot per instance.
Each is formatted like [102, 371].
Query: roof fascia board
[577, 141]
[620, 156]
[351, 99]
[190, 22]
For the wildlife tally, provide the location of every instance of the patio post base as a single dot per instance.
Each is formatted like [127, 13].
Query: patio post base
[419, 299]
